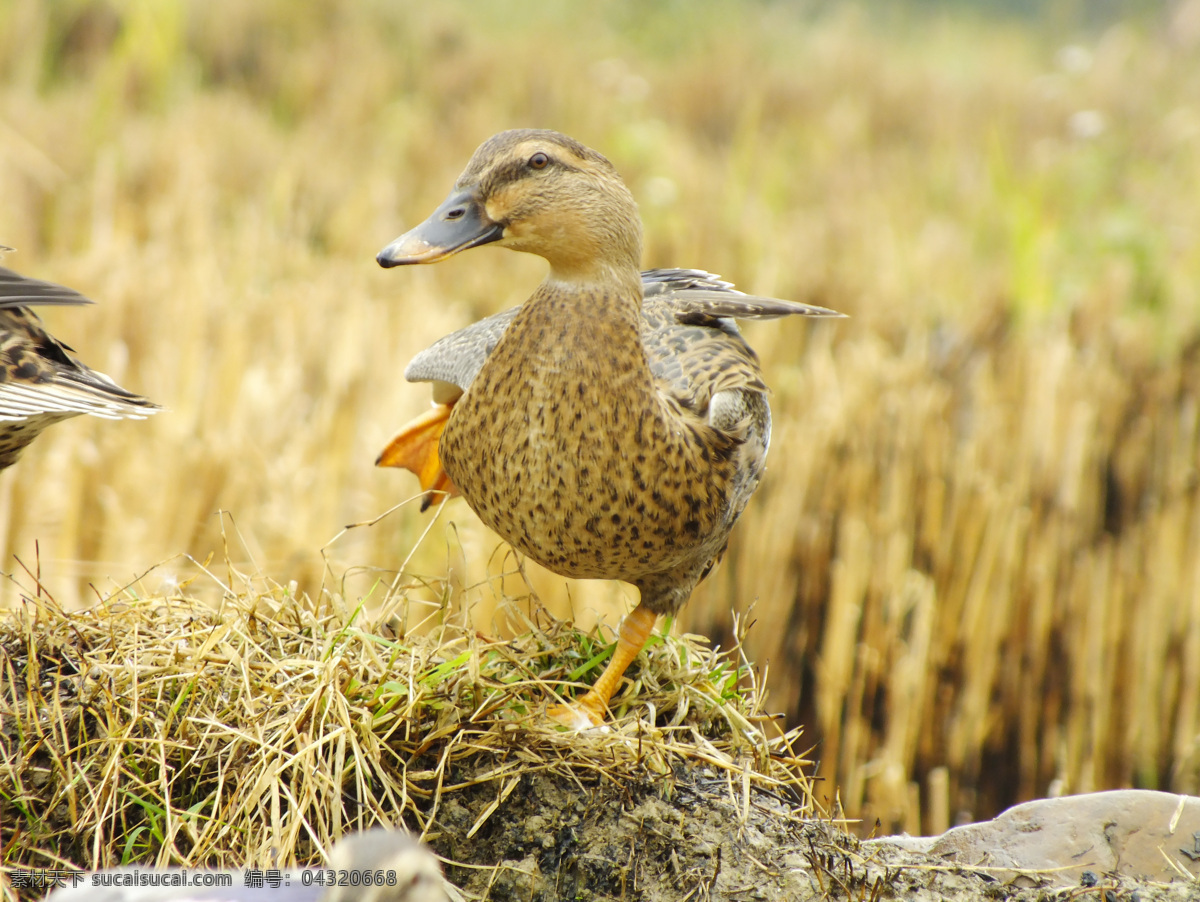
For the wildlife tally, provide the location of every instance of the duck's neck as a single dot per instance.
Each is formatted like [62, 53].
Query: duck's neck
[618, 284]
[589, 322]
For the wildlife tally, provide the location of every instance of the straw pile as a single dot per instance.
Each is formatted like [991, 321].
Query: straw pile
[167, 731]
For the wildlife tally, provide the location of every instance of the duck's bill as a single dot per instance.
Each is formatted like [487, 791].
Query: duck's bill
[458, 224]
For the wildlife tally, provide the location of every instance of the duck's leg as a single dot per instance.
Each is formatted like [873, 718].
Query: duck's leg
[415, 448]
[589, 711]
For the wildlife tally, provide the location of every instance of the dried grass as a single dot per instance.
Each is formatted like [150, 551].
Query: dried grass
[164, 730]
[998, 589]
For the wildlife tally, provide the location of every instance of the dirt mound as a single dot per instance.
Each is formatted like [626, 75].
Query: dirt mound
[164, 732]
[697, 835]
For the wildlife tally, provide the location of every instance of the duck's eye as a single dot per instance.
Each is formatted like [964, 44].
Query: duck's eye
[539, 161]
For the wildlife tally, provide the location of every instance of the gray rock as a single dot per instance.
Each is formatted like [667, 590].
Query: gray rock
[1132, 833]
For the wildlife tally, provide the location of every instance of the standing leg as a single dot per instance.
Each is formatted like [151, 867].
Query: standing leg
[589, 711]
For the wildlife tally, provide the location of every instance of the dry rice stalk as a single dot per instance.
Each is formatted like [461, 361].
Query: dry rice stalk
[994, 570]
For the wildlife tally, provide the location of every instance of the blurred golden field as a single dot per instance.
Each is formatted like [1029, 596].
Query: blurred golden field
[974, 564]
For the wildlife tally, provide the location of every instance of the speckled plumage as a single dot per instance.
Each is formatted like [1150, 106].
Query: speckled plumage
[41, 383]
[615, 425]
[694, 351]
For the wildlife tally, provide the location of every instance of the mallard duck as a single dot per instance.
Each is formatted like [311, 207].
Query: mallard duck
[616, 423]
[40, 382]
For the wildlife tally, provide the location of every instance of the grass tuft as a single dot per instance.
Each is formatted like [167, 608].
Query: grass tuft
[165, 730]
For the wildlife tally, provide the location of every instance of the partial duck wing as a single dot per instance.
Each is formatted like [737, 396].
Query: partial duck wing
[17, 290]
[39, 377]
[691, 336]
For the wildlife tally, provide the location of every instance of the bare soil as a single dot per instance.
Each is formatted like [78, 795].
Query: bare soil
[693, 836]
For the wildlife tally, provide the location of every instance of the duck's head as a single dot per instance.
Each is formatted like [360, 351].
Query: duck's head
[537, 191]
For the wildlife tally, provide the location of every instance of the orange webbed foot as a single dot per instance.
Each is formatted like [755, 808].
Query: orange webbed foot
[577, 716]
[415, 448]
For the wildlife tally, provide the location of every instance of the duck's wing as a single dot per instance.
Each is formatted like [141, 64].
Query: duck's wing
[452, 363]
[691, 336]
[697, 297]
[17, 290]
[39, 378]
